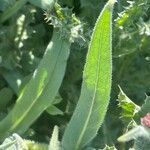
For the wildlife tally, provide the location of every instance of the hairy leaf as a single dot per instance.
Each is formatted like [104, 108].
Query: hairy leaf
[129, 108]
[54, 142]
[138, 131]
[95, 93]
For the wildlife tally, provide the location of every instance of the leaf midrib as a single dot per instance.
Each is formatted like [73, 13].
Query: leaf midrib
[94, 96]
[29, 108]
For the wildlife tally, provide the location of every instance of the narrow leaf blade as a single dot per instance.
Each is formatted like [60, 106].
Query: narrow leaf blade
[95, 93]
[41, 90]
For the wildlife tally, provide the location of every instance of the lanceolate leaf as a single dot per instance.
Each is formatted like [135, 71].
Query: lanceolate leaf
[41, 90]
[95, 93]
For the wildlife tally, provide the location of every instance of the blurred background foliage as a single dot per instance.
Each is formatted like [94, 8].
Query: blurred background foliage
[24, 36]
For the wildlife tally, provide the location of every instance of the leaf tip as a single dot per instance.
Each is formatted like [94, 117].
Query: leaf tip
[110, 3]
[54, 142]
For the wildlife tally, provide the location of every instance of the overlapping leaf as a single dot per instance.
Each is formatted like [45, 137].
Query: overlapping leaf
[41, 90]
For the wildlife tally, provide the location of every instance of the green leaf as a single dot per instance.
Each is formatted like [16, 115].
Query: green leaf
[57, 99]
[41, 90]
[129, 108]
[44, 4]
[95, 93]
[145, 108]
[53, 110]
[5, 96]
[14, 79]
